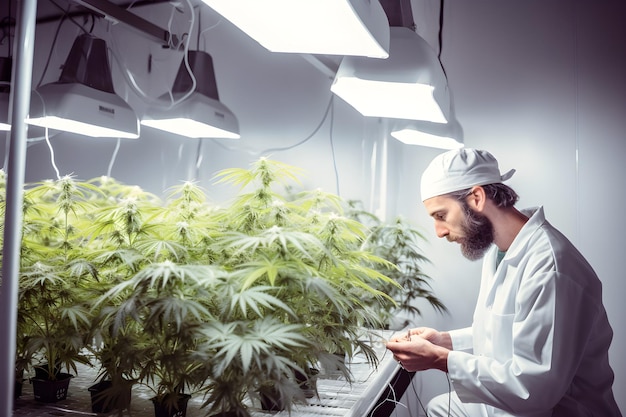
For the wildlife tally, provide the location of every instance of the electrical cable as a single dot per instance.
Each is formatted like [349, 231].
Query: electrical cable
[54, 165]
[65, 13]
[199, 27]
[306, 139]
[130, 78]
[54, 41]
[47, 136]
[441, 6]
[198, 159]
[185, 56]
[207, 29]
[332, 147]
[419, 401]
[113, 157]
[441, 12]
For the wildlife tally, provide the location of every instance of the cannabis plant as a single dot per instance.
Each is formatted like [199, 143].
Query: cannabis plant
[398, 243]
[55, 275]
[298, 277]
[151, 256]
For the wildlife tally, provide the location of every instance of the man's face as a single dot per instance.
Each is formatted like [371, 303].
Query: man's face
[457, 222]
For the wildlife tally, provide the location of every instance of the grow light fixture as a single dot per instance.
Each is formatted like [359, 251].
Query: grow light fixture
[198, 114]
[436, 135]
[5, 89]
[83, 101]
[5, 124]
[410, 84]
[332, 27]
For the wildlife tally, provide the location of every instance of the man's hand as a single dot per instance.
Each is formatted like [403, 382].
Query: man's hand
[421, 348]
[433, 336]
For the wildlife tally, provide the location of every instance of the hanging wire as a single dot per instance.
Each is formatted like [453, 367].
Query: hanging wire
[441, 13]
[198, 159]
[130, 78]
[332, 149]
[441, 6]
[199, 29]
[174, 102]
[306, 139]
[208, 29]
[54, 41]
[54, 165]
[328, 111]
[113, 157]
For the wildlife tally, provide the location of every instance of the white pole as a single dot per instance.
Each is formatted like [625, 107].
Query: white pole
[18, 107]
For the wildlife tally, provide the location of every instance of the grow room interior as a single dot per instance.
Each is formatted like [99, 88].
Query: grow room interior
[540, 84]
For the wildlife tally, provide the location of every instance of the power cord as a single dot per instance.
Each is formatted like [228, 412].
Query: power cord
[420, 401]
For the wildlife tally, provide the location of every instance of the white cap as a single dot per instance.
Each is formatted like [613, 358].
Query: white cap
[460, 169]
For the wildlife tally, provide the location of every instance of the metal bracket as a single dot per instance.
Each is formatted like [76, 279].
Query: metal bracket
[117, 14]
[327, 65]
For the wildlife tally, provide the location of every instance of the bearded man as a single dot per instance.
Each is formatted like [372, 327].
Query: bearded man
[538, 345]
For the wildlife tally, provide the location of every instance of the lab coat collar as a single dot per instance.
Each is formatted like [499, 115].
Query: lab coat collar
[536, 219]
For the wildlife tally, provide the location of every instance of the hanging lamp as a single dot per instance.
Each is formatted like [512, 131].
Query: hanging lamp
[410, 84]
[5, 89]
[195, 113]
[331, 27]
[83, 100]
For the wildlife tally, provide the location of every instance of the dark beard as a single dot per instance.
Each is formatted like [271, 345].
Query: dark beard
[478, 232]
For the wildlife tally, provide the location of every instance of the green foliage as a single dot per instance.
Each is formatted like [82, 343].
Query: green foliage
[398, 243]
[186, 296]
[56, 275]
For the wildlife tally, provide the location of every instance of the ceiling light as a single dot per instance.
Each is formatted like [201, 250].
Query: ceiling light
[331, 27]
[83, 101]
[436, 135]
[410, 84]
[195, 113]
[5, 124]
[5, 88]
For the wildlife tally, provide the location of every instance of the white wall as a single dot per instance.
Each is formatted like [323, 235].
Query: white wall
[539, 83]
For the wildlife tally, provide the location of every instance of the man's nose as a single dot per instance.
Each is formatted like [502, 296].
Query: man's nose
[441, 231]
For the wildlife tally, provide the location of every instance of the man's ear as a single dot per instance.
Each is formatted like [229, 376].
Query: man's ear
[477, 198]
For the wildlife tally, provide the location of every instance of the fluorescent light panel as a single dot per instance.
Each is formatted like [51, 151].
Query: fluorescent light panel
[77, 108]
[410, 84]
[415, 137]
[197, 116]
[83, 100]
[193, 108]
[331, 27]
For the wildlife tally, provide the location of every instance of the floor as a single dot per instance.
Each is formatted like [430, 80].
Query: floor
[78, 401]
[336, 397]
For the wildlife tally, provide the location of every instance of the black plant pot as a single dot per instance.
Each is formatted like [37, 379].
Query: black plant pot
[51, 391]
[164, 407]
[19, 383]
[308, 382]
[17, 388]
[106, 398]
[41, 371]
[270, 400]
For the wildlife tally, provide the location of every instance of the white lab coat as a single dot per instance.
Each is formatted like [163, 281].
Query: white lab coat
[538, 345]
